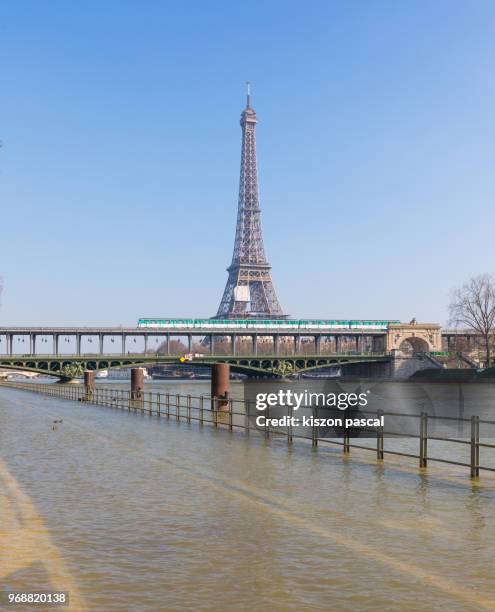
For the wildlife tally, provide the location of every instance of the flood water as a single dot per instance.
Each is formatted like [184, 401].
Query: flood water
[131, 512]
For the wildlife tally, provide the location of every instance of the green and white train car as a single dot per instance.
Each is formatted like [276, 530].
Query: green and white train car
[265, 324]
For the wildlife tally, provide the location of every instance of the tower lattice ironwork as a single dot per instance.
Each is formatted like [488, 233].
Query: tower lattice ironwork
[249, 291]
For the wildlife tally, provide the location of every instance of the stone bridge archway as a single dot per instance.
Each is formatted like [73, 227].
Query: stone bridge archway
[420, 337]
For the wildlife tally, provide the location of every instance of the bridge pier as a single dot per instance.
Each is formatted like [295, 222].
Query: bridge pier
[220, 384]
[137, 383]
[89, 384]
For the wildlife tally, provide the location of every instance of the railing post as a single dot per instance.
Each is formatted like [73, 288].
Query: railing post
[423, 440]
[188, 408]
[158, 405]
[475, 446]
[379, 438]
[289, 425]
[167, 396]
[177, 407]
[314, 437]
[346, 439]
[230, 414]
[150, 405]
[215, 411]
[247, 412]
[201, 409]
[347, 443]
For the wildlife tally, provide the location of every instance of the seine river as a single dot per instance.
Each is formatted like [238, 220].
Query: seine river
[131, 512]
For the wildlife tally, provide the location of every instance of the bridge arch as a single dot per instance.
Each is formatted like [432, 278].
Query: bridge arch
[70, 367]
[414, 337]
[414, 344]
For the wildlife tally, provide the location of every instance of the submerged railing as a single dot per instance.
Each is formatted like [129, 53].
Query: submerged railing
[233, 414]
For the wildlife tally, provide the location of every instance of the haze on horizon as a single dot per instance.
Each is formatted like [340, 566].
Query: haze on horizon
[121, 150]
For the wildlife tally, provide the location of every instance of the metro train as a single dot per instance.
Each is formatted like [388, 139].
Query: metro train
[265, 324]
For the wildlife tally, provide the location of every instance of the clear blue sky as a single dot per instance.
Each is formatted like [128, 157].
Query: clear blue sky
[121, 143]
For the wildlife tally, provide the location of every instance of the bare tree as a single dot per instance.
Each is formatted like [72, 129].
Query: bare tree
[473, 306]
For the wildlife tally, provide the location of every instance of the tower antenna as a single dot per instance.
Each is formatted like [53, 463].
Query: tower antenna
[248, 89]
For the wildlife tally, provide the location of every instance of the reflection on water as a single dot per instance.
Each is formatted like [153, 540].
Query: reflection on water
[141, 513]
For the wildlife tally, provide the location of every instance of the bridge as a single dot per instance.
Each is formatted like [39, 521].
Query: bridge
[68, 367]
[223, 340]
[66, 351]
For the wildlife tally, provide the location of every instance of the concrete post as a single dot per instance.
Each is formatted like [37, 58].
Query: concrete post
[337, 344]
[318, 345]
[189, 343]
[275, 343]
[145, 344]
[220, 384]
[100, 341]
[137, 383]
[78, 343]
[234, 344]
[89, 384]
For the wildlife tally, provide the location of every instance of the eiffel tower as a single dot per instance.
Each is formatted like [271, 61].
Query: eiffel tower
[249, 292]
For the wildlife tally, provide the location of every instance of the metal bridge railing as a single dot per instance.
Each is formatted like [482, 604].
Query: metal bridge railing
[233, 414]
